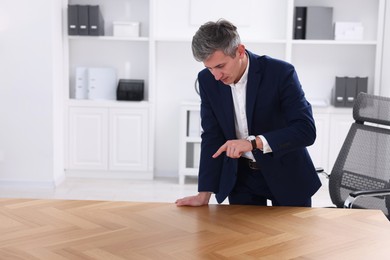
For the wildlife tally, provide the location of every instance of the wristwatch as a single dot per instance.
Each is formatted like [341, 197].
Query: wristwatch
[252, 139]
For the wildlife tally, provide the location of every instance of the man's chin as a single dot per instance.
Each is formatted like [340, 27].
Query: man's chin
[226, 82]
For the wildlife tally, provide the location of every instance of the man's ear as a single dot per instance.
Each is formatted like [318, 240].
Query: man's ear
[241, 50]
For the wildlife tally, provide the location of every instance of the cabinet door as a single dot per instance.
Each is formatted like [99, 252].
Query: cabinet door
[88, 138]
[339, 127]
[128, 139]
[319, 150]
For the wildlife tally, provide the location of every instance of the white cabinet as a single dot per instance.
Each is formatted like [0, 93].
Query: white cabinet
[128, 140]
[189, 149]
[319, 150]
[109, 137]
[339, 127]
[332, 127]
[110, 141]
[88, 138]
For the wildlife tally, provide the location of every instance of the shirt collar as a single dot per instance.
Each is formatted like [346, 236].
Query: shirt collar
[244, 77]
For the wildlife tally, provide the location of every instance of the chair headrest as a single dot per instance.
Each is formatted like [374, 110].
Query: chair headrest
[371, 108]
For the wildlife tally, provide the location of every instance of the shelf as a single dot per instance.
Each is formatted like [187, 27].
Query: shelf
[190, 171]
[192, 139]
[244, 40]
[276, 41]
[110, 38]
[107, 103]
[333, 42]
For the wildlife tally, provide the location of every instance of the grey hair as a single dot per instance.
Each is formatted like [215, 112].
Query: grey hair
[213, 36]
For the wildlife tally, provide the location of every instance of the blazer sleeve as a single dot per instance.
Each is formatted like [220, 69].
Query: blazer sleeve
[212, 138]
[297, 128]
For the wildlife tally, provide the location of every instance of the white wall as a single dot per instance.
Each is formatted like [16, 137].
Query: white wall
[172, 59]
[30, 92]
[31, 121]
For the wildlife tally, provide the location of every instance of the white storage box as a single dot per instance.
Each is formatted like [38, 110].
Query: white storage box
[126, 29]
[348, 31]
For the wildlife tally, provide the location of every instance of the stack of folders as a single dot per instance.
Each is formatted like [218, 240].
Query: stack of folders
[85, 20]
[95, 83]
[346, 90]
[313, 23]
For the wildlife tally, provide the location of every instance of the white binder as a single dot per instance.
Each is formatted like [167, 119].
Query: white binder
[102, 83]
[81, 83]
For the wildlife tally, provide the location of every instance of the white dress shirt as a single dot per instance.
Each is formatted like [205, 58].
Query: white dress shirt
[240, 120]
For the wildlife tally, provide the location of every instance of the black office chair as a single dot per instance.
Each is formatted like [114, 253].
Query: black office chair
[360, 177]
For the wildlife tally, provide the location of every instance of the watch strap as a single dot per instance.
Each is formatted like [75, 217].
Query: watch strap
[252, 139]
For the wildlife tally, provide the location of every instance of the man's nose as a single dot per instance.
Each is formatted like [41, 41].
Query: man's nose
[217, 74]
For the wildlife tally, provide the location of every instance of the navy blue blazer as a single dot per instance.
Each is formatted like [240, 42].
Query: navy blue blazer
[276, 108]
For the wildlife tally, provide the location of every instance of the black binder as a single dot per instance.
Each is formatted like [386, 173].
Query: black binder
[362, 85]
[83, 19]
[339, 92]
[96, 21]
[350, 91]
[73, 20]
[300, 22]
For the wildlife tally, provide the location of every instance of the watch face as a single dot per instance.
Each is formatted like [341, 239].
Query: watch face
[251, 137]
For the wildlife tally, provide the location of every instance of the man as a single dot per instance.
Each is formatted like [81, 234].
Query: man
[256, 125]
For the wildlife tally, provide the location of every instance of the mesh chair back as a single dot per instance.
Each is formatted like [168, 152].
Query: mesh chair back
[364, 159]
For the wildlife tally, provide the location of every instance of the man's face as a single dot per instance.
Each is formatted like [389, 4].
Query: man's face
[225, 68]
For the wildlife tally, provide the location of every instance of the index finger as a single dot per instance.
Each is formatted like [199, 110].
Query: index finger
[219, 151]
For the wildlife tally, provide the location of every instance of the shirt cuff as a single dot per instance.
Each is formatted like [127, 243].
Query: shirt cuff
[266, 147]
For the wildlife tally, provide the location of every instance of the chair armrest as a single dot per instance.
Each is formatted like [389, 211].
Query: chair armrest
[364, 193]
[320, 170]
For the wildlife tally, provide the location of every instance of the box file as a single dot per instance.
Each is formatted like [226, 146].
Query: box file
[339, 92]
[83, 20]
[96, 21]
[73, 24]
[319, 23]
[350, 91]
[362, 85]
[300, 22]
[347, 89]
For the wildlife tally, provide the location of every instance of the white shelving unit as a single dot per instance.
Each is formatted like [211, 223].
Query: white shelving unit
[109, 138]
[162, 57]
[190, 131]
[317, 62]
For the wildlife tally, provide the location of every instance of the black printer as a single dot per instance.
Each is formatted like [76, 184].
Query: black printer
[130, 89]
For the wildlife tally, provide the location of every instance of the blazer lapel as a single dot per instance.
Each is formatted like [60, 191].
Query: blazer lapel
[254, 77]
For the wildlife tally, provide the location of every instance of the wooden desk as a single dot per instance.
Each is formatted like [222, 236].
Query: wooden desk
[65, 229]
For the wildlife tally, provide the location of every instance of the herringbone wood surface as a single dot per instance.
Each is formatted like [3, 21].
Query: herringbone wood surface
[66, 229]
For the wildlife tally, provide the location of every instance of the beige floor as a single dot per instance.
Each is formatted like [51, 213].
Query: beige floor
[159, 190]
